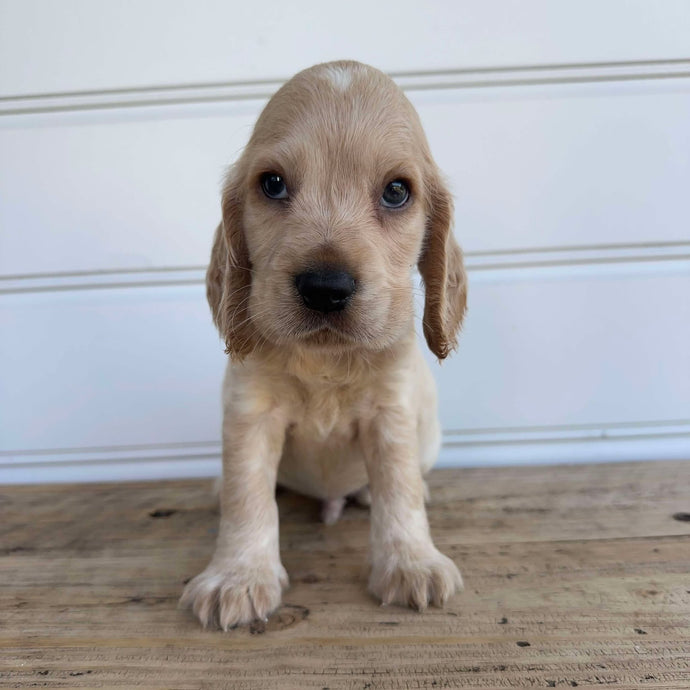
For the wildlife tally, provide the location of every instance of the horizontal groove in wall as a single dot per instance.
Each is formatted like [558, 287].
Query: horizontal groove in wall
[217, 92]
[574, 256]
[512, 436]
[624, 427]
[494, 260]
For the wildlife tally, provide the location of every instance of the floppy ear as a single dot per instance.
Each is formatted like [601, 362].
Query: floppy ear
[229, 277]
[215, 275]
[443, 273]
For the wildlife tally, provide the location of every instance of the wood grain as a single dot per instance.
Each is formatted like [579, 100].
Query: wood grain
[576, 576]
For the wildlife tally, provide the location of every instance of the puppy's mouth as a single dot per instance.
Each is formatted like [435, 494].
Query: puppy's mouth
[326, 329]
[293, 323]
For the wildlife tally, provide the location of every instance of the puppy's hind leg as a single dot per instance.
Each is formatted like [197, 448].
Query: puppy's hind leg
[332, 509]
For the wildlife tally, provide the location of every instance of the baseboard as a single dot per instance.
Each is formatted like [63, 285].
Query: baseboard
[634, 441]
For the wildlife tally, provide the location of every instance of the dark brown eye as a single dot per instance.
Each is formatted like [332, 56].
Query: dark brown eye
[395, 194]
[273, 186]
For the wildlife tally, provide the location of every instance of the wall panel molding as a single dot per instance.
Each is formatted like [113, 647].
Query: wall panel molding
[262, 89]
[479, 262]
[464, 448]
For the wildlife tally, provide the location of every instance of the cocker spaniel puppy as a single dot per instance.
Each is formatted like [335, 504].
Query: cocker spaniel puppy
[333, 203]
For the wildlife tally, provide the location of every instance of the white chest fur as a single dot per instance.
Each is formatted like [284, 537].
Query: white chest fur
[322, 454]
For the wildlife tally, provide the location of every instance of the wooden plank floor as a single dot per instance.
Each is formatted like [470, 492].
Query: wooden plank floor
[575, 577]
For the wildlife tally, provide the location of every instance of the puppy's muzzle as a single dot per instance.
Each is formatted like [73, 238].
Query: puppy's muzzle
[325, 289]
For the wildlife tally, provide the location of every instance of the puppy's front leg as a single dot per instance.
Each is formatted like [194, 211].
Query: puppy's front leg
[245, 577]
[406, 566]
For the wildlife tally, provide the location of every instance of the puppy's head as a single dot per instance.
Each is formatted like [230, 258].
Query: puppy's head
[332, 204]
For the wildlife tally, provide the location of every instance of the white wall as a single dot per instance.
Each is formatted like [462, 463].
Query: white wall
[564, 131]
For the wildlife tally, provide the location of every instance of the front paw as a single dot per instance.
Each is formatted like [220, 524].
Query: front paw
[227, 594]
[414, 578]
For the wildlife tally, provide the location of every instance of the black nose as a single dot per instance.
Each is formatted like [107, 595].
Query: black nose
[325, 290]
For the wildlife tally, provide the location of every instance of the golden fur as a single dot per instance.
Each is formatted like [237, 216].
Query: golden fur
[328, 404]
